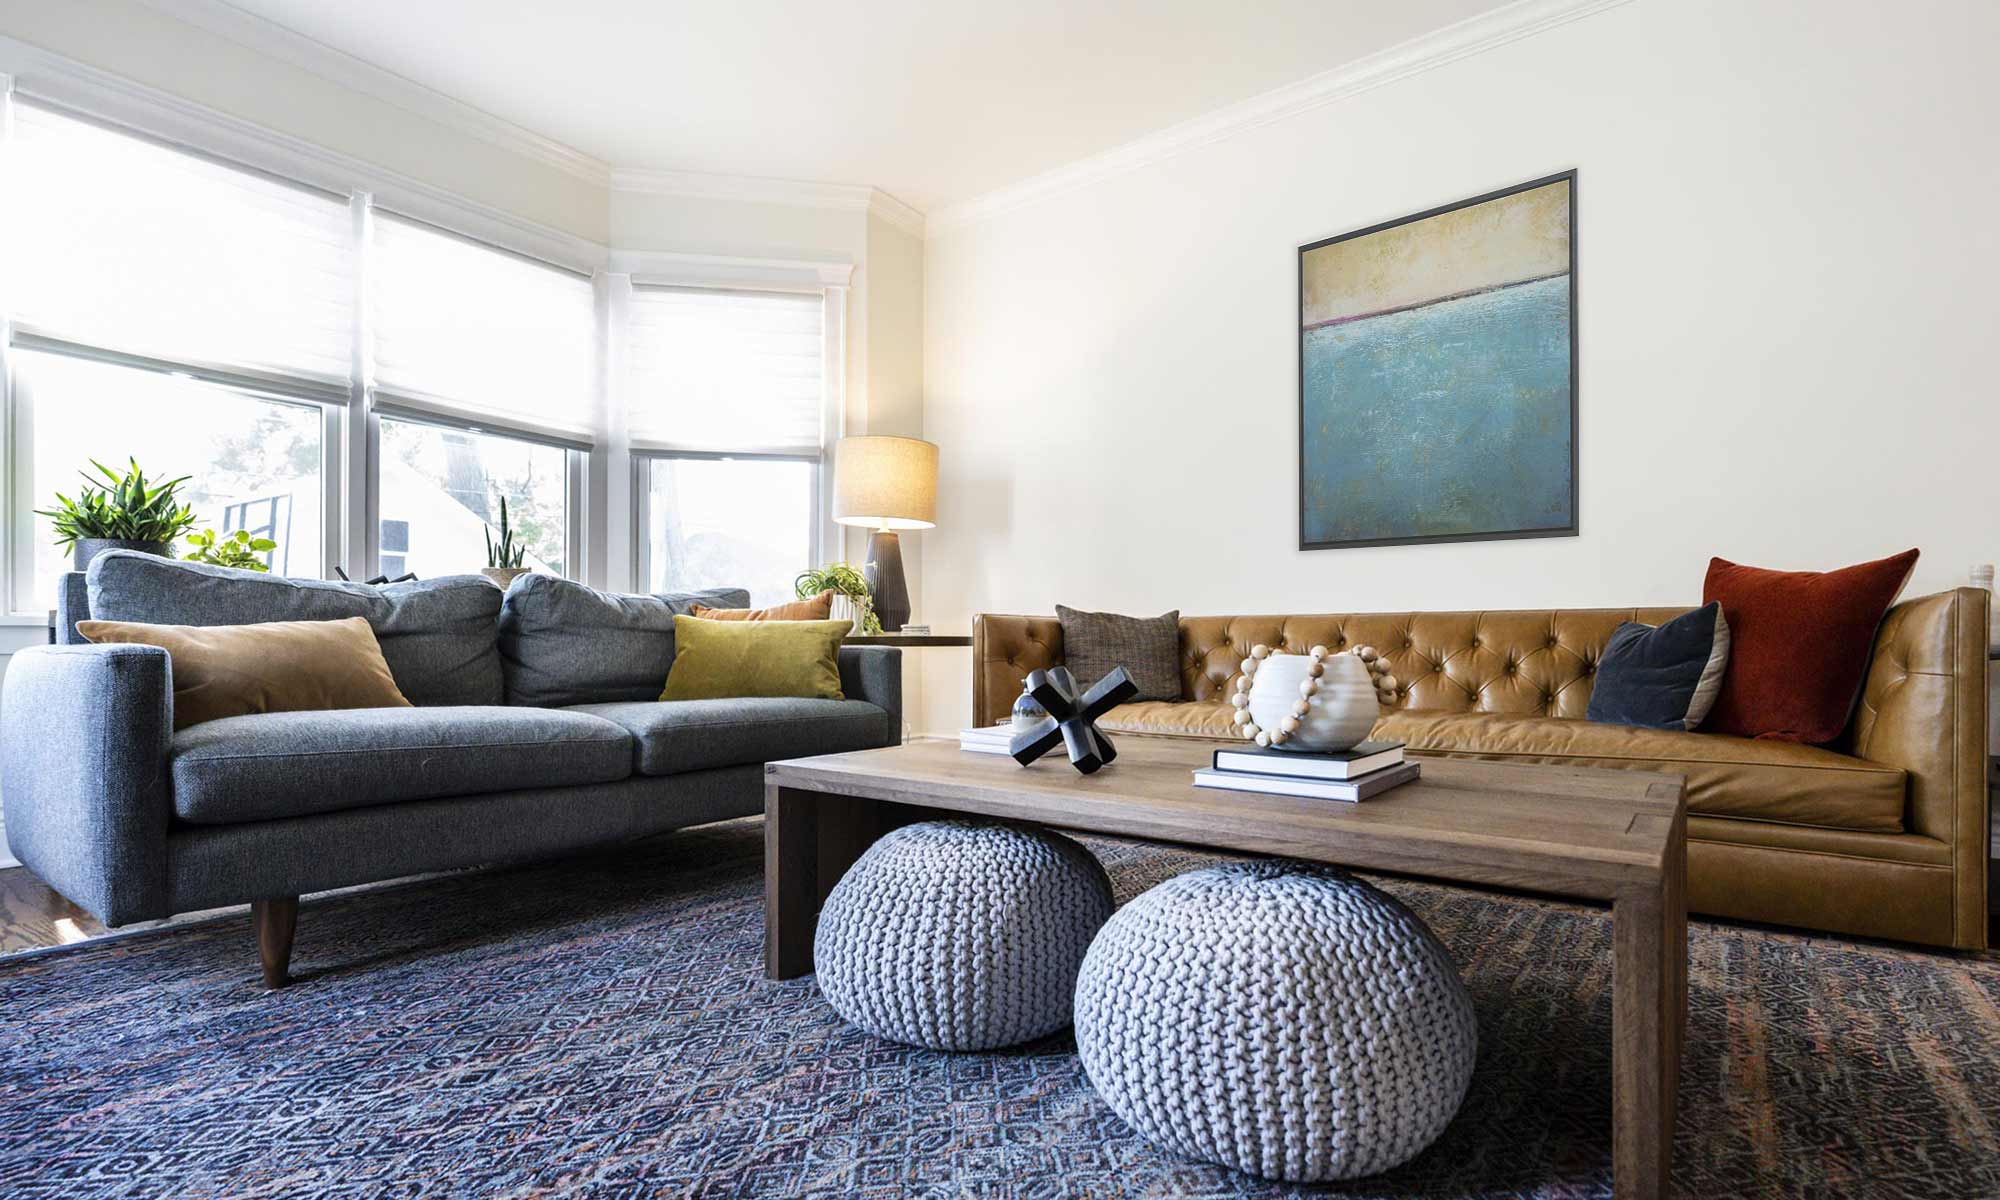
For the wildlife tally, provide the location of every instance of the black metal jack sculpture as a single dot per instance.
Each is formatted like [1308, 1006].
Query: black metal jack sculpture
[1072, 722]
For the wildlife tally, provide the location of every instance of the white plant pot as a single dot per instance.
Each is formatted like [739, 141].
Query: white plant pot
[1342, 712]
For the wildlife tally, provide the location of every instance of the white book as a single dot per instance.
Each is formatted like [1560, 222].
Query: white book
[1312, 789]
[1345, 764]
[994, 739]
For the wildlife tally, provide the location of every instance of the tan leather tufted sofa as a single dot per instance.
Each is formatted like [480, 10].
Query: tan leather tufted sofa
[1882, 835]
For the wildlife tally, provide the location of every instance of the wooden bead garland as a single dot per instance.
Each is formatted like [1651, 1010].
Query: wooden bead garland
[1378, 670]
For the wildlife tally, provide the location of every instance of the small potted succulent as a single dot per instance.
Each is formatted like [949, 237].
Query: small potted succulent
[131, 513]
[850, 595]
[505, 561]
[238, 550]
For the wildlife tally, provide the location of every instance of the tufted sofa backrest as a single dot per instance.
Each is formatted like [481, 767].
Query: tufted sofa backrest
[1533, 662]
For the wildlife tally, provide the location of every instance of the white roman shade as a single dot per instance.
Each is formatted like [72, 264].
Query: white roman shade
[469, 330]
[713, 370]
[122, 244]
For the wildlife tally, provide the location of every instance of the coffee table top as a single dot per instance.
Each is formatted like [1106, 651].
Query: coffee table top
[1573, 831]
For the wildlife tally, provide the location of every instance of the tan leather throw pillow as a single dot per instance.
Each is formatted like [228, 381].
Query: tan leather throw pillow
[819, 608]
[278, 666]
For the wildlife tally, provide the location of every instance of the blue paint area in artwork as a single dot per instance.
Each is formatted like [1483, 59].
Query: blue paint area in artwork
[1453, 418]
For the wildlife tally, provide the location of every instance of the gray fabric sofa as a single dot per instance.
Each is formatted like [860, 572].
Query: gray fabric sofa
[536, 732]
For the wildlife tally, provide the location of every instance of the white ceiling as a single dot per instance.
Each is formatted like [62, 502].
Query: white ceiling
[932, 101]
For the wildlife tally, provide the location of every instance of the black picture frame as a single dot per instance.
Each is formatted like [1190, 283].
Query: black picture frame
[1574, 528]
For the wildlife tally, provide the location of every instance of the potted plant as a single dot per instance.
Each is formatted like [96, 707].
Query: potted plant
[238, 550]
[130, 514]
[505, 561]
[850, 595]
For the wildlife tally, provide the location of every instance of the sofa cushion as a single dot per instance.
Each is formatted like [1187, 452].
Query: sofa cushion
[562, 643]
[1183, 718]
[1800, 644]
[275, 666]
[1757, 780]
[271, 765]
[439, 636]
[693, 735]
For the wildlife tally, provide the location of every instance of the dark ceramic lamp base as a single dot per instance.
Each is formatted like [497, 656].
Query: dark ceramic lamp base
[884, 573]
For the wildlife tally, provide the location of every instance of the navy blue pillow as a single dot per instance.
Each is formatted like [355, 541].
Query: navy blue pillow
[1665, 676]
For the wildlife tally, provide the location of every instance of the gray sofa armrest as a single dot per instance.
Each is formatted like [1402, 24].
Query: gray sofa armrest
[875, 674]
[84, 737]
[72, 605]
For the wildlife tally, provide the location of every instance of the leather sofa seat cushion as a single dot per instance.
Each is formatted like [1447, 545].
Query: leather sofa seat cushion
[1727, 776]
[272, 765]
[439, 636]
[693, 735]
[1183, 718]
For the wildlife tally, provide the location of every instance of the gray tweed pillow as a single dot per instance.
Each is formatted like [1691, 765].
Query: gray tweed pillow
[1148, 647]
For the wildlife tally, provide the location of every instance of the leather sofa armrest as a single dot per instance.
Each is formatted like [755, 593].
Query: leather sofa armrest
[1004, 649]
[84, 737]
[1923, 708]
[875, 674]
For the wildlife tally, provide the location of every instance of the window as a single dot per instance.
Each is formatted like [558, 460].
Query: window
[364, 388]
[729, 522]
[725, 395]
[123, 244]
[253, 461]
[477, 331]
[441, 489]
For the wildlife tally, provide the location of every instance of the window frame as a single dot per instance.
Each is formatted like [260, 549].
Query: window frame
[574, 458]
[19, 452]
[643, 462]
[605, 490]
[831, 284]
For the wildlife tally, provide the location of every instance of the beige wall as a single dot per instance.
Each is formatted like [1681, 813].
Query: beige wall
[1786, 306]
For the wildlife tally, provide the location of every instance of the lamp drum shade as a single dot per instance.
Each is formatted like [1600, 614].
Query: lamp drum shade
[885, 482]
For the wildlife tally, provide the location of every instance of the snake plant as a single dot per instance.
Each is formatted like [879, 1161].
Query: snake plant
[504, 553]
[131, 509]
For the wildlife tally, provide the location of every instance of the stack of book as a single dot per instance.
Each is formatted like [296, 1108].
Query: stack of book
[1368, 769]
[991, 740]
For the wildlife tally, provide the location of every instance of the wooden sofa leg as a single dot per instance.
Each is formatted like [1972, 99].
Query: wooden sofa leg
[276, 921]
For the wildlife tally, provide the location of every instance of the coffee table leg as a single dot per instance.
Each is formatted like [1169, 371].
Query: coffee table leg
[810, 839]
[1649, 1005]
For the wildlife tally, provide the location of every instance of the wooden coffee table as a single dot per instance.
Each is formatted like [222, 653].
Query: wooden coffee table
[1608, 836]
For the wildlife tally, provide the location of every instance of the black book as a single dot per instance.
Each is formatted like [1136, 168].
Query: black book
[1300, 764]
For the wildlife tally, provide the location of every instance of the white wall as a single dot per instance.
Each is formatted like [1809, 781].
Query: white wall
[1786, 305]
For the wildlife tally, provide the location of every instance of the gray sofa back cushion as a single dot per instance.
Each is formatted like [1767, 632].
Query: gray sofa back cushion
[562, 643]
[438, 635]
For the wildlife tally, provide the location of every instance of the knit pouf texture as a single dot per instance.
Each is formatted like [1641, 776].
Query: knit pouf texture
[961, 935]
[1281, 1018]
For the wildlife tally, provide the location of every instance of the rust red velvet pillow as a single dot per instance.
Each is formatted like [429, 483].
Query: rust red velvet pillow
[1799, 645]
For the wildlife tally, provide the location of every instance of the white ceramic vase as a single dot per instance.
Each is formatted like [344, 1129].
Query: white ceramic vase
[1342, 712]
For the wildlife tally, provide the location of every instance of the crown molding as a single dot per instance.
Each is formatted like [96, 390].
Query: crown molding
[1475, 35]
[752, 189]
[337, 66]
[672, 269]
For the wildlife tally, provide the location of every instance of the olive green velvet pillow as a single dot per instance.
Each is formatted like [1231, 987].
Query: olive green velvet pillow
[714, 660]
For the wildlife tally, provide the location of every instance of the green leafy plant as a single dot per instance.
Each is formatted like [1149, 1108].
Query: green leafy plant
[238, 549]
[130, 509]
[844, 580]
[504, 553]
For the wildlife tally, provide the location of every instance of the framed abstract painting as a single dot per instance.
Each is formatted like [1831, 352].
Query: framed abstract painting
[1437, 374]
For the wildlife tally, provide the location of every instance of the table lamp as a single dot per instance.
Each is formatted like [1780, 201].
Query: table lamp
[885, 484]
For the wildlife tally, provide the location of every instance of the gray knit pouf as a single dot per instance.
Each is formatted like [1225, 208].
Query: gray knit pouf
[1284, 1019]
[960, 935]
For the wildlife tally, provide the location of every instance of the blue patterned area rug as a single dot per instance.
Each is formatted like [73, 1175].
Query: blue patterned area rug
[601, 1027]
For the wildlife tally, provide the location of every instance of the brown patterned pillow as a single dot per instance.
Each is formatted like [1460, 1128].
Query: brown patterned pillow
[1148, 647]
